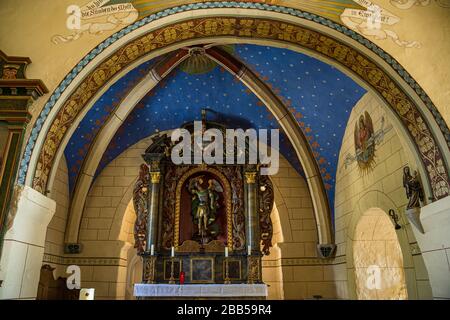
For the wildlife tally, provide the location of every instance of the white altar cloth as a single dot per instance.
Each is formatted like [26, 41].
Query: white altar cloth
[200, 290]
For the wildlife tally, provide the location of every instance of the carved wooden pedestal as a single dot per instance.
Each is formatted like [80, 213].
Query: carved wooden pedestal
[149, 274]
[254, 269]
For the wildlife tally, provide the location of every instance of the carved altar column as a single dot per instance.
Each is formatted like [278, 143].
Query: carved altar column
[150, 255]
[252, 228]
[154, 161]
[153, 212]
[252, 212]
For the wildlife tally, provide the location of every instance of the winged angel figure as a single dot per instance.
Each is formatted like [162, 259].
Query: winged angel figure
[205, 203]
[366, 139]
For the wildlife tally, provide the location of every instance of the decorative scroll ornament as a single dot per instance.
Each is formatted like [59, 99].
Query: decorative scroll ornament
[408, 4]
[266, 200]
[140, 200]
[254, 270]
[234, 175]
[372, 23]
[171, 178]
[95, 18]
[149, 274]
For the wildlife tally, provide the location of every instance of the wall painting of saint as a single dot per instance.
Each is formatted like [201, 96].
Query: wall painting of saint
[365, 143]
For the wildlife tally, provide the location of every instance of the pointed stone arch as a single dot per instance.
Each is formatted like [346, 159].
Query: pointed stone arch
[279, 26]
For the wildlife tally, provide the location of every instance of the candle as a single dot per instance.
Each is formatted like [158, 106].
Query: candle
[152, 250]
[173, 252]
[249, 249]
[226, 252]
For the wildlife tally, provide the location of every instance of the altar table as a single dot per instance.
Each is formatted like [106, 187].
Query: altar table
[231, 291]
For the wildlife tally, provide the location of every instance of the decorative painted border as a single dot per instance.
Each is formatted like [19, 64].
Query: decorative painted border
[81, 261]
[283, 262]
[210, 5]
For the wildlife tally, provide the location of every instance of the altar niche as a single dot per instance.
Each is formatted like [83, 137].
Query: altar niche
[210, 223]
[203, 208]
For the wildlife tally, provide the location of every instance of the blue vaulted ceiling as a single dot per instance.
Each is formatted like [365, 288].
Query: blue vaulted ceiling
[180, 99]
[319, 96]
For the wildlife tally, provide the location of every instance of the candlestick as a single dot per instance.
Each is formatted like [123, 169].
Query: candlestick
[152, 250]
[249, 250]
[173, 252]
[172, 278]
[227, 279]
[226, 252]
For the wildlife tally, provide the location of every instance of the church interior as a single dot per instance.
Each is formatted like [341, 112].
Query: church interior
[94, 206]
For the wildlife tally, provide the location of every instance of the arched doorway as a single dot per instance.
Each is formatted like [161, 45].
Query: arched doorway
[377, 258]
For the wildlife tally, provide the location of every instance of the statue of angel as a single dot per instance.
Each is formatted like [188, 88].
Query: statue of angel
[205, 203]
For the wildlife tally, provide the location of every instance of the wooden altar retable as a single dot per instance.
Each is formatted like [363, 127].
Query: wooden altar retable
[209, 223]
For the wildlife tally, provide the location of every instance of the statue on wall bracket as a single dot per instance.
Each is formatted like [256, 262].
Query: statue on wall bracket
[415, 195]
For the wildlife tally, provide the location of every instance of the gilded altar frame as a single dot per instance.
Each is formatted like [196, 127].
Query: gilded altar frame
[228, 206]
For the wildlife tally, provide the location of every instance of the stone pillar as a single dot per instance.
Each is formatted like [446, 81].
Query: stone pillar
[23, 247]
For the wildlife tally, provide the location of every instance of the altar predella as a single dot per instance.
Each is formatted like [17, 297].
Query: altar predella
[198, 223]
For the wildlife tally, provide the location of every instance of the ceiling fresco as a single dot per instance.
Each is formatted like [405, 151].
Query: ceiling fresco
[80, 142]
[319, 96]
[181, 98]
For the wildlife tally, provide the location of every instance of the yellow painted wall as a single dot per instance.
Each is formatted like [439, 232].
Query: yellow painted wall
[380, 188]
